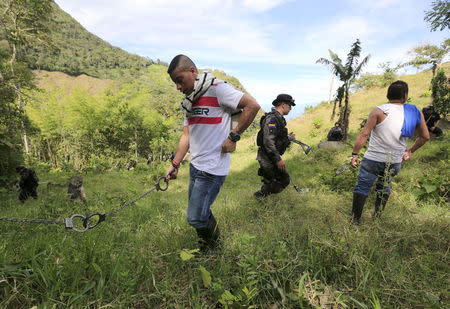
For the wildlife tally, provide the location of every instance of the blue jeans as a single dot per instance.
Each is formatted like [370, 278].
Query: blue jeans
[381, 172]
[203, 190]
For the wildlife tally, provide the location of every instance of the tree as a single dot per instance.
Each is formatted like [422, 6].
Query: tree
[23, 21]
[346, 73]
[429, 55]
[439, 15]
[368, 80]
[440, 87]
[11, 118]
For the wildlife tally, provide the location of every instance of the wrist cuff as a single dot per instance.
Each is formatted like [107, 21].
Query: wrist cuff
[354, 154]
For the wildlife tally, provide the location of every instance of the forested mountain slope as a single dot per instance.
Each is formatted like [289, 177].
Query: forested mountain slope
[75, 51]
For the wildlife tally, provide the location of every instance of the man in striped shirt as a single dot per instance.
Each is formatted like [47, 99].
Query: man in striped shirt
[208, 136]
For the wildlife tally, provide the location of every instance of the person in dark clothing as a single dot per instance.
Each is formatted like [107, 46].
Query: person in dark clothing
[28, 183]
[336, 134]
[273, 140]
[432, 119]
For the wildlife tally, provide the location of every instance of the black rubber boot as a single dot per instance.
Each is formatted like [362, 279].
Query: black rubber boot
[209, 236]
[358, 205]
[380, 203]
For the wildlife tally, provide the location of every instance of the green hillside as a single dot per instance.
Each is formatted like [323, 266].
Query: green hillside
[76, 51]
[314, 125]
[295, 250]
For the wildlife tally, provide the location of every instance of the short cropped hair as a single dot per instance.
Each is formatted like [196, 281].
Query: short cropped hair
[397, 90]
[180, 61]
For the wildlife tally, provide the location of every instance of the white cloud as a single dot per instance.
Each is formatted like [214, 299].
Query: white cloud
[263, 5]
[304, 89]
[239, 33]
[223, 27]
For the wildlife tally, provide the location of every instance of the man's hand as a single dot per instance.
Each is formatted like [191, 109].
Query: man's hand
[228, 145]
[171, 173]
[407, 155]
[291, 136]
[354, 163]
[281, 165]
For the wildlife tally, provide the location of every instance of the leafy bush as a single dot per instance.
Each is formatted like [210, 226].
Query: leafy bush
[440, 87]
[426, 94]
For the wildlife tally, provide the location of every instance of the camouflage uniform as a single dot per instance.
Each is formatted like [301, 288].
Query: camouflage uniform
[273, 142]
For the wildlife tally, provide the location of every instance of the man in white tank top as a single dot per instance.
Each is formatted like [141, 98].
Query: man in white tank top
[389, 125]
[207, 134]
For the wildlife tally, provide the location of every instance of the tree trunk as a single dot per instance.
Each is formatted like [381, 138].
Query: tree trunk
[19, 100]
[345, 115]
[331, 88]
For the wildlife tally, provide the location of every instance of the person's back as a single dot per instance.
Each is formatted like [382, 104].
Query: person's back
[335, 134]
[28, 183]
[389, 125]
[432, 119]
[386, 143]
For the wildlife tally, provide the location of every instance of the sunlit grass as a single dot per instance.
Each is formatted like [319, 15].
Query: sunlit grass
[291, 251]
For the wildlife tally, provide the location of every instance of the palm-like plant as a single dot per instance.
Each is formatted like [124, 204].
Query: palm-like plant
[347, 73]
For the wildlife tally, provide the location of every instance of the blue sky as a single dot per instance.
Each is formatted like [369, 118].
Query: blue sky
[270, 45]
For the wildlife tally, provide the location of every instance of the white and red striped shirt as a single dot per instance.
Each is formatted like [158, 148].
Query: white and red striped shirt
[209, 126]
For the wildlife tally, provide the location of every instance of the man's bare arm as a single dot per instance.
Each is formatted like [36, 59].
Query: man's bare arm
[249, 108]
[183, 147]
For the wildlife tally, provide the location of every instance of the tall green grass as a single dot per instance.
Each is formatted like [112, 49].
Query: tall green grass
[291, 251]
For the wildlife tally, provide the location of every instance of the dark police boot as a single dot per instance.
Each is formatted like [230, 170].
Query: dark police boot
[380, 204]
[358, 205]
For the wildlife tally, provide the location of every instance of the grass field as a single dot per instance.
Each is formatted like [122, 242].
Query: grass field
[292, 251]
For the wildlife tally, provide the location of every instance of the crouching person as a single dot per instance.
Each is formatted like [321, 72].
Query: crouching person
[28, 183]
[206, 134]
[389, 126]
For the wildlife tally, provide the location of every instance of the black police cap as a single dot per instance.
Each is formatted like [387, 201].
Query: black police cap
[283, 98]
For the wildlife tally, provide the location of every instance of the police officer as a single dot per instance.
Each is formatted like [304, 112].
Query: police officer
[273, 140]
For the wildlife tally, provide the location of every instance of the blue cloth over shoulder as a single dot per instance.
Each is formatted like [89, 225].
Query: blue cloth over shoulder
[411, 120]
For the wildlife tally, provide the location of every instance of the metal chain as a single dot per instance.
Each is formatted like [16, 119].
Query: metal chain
[91, 220]
[32, 220]
[157, 187]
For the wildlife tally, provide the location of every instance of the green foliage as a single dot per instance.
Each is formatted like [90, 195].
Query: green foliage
[75, 50]
[368, 80]
[134, 119]
[438, 16]
[347, 73]
[429, 55]
[12, 118]
[426, 94]
[316, 127]
[292, 251]
[440, 88]
[23, 22]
